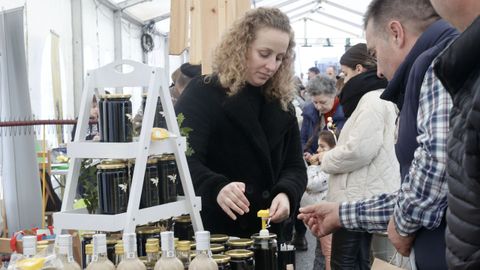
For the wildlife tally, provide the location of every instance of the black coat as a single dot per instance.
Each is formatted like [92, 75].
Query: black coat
[459, 70]
[241, 138]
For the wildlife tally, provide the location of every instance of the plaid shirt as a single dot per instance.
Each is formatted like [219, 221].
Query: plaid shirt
[422, 198]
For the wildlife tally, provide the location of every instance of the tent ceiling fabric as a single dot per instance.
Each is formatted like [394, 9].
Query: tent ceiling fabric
[325, 18]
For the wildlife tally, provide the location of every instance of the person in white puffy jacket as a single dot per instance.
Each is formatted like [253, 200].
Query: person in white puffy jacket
[363, 163]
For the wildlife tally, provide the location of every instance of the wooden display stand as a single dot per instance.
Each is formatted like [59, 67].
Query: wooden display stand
[141, 76]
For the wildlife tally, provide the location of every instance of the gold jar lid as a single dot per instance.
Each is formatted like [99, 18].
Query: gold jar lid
[89, 249]
[220, 258]
[242, 242]
[183, 219]
[217, 248]
[270, 236]
[193, 246]
[110, 165]
[41, 248]
[155, 241]
[167, 157]
[119, 249]
[42, 242]
[183, 245]
[112, 241]
[218, 238]
[150, 160]
[151, 248]
[88, 234]
[239, 253]
[115, 96]
[148, 230]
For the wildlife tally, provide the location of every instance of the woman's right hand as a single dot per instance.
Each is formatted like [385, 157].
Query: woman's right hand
[231, 198]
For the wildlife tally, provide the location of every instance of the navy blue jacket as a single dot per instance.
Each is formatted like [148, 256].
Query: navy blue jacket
[404, 88]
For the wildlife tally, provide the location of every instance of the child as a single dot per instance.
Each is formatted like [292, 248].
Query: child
[317, 190]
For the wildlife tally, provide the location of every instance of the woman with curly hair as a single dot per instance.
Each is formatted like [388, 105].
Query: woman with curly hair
[247, 151]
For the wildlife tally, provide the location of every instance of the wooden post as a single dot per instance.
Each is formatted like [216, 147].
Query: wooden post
[210, 33]
[195, 32]
[178, 26]
[209, 19]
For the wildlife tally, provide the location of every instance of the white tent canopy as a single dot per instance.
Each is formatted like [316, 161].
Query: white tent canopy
[108, 29]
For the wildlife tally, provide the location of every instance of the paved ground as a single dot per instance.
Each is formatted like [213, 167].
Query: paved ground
[304, 259]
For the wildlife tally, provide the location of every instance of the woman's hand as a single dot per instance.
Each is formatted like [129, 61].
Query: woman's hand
[280, 208]
[231, 198]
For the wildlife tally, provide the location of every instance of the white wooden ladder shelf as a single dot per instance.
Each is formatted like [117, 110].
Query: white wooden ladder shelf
[141, 76]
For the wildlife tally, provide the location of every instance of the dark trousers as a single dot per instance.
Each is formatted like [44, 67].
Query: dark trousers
[350, 250]
[429, 248]
[300, 228]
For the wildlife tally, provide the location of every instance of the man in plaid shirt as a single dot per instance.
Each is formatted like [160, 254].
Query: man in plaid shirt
[404, 53]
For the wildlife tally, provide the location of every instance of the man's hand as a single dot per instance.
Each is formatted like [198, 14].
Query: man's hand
[231, 198]
[403, 244]
[321, 218]
[280, 208]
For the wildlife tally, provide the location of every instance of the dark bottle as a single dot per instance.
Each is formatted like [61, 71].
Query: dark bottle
[169, 173]
[182, 228]
[265, 251]
[159, 120]
[113, 187]
[241, 259]
[115, 112]
[223, 261]
[151, 183]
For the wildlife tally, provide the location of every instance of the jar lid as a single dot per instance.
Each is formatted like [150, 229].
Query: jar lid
[218, 238]
[148, 230]
[239, 253]
[88, 234]
[112, 241]
[270, 236]
[217, 248]
[119, 248]
[155, 241]
[89, 249]
[167, 157]
[219, 258]
[242, 242]
[111, 166]
[193, 246]
[40, 248]
[183, 245]
[183, 219]
[152, 248]
[116, 96]
[150, 160]
[42, 242]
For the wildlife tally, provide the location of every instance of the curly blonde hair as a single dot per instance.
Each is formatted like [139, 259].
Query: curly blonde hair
[229, 61]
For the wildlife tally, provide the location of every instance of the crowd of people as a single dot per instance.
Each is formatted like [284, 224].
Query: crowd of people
[389, 144]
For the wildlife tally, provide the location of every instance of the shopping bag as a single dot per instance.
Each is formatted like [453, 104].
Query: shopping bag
[383, 265]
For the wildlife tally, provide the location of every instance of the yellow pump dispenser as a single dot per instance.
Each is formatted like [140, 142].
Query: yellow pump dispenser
[264, 215]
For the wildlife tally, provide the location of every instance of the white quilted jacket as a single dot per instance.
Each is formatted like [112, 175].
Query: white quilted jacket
[363, 163]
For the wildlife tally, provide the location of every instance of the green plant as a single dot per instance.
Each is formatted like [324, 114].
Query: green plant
[88, 179]
[185, 131]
